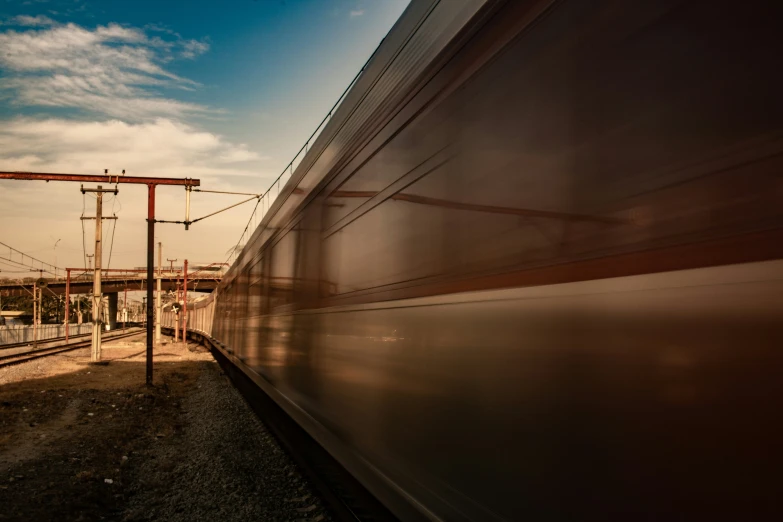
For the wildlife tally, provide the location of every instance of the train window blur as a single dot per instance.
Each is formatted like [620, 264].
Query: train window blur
[256, 288]
[281, 290]
[240, 304]
[405, 245]
[227, 315]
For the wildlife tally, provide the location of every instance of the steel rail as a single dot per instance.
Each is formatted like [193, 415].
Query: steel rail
[10, 360]
[21, 344]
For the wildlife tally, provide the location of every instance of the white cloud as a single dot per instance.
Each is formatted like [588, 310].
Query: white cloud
[119, 33]
[119, 76]
[356, 13]
[30, 21]
[193, 48]
[163, 147]
[112, 70]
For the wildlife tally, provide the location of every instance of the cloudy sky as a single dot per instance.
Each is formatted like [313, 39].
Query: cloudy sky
[222, 91]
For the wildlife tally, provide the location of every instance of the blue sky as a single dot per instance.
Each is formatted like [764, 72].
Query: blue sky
[222, 90]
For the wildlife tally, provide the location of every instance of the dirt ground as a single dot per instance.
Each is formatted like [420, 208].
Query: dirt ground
[80, 441]
[70, 431]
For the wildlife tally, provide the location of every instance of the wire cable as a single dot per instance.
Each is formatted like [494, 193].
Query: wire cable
[84, 241]
[111, 245]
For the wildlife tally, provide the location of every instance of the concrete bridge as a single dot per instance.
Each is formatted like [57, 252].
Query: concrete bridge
[199, 280]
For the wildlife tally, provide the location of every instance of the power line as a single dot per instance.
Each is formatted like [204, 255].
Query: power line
[111, 246]
[32, 259]
[4, 263]
[114, 202]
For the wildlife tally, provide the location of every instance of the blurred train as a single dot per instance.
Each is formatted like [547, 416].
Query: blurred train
[532, 268]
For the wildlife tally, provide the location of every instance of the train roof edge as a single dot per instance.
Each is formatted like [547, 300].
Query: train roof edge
[434, 24]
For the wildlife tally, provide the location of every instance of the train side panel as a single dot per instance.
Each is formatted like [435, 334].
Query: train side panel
[548, 286]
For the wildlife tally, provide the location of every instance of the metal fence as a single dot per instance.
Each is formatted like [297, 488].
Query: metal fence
[24, 334]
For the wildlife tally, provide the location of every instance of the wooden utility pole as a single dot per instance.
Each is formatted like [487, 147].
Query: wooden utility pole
[176, 310]
[97, 298]
[67, 302]
[35, 313]
[125, 307]
[185, 304]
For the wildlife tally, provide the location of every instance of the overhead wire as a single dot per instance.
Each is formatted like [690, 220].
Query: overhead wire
[304, 148]
[32, 260]
[113, 228]
[111, 245]
[6, 263]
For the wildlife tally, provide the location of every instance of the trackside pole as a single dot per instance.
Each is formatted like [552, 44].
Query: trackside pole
[67, 300]
[150, 277]
[97, 301]
[35, 316]
[157, 296]
[185, 305]
[125, 307]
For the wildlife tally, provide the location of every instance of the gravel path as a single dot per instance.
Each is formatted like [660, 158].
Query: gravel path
[226, 466]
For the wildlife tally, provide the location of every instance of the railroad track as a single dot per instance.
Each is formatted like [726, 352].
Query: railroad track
[18, 358]
[22, 344]
[48, 340]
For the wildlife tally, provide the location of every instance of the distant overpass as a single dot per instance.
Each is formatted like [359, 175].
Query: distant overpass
[200, 279]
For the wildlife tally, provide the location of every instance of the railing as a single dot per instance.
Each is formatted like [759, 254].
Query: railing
[24, 334]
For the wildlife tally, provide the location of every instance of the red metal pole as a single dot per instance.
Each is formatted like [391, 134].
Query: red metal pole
[67, 300]
[185, 305]
[150, 275]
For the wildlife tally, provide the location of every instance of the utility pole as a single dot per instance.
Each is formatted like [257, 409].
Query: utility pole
[97, 306]
[185, 304]
[158, 298]
[37, 298]
[176, 309]
[67, 302]
[35, 313]
[125, 307]
[171, 269]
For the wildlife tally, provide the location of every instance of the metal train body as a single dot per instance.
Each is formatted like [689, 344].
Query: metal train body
[531, 269]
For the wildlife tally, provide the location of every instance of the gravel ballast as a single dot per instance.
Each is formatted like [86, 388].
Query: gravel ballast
[80, 442]
[227, 466]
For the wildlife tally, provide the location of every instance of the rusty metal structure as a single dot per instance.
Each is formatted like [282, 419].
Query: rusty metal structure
[152, 183]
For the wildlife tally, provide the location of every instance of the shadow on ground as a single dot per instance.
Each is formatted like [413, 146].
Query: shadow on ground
[70, 442]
